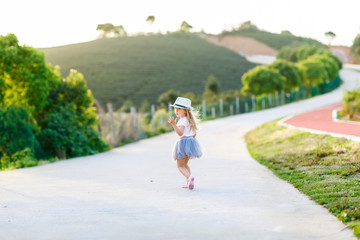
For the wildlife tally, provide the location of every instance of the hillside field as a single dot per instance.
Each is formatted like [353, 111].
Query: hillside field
[275, 40]
[143, 67]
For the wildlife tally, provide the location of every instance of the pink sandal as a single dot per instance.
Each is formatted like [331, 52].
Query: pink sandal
[191, 183]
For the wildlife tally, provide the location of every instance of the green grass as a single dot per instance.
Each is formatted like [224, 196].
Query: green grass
[143, 67]
[277, 41]
[323, 167]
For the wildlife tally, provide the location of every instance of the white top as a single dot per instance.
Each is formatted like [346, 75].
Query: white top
[188, 132]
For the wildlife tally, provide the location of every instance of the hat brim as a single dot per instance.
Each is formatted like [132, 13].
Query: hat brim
[181, 106]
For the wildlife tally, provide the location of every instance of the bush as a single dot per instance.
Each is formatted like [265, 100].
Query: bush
[20, 159]
[289, 71]
[262, 79]
[314, 72]
[351, 104]
[17, 131]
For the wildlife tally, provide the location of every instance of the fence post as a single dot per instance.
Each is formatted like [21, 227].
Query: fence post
[133, 115]
[282, 97]
[270, 100]
[221, 106]
[112, 128]
[153, 117]
[246, 107]
[263, 104]
[231, 109]
[277, 98]
[237, 102]
[213, 111]
[170, 109]
[253, 103]
[204, 109]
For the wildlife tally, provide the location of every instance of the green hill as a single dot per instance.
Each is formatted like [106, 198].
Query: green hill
[143, 67]
[275, 40]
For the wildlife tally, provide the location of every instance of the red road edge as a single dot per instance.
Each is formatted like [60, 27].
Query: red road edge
[321, 119]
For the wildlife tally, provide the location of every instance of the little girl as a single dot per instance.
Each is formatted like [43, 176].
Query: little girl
[187, 146]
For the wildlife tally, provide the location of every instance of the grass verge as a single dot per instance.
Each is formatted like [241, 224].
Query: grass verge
[323, 167]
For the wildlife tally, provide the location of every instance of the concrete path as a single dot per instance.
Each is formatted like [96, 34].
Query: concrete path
[134, 192]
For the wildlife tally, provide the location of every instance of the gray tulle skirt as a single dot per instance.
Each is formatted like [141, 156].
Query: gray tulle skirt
[187, 147]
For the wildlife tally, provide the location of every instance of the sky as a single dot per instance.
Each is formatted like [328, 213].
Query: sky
[47, 23]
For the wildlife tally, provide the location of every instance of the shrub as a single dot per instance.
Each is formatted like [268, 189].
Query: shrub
[17, 131]
[289, 71]
[262, 79]
[351, 104]
[314, 72]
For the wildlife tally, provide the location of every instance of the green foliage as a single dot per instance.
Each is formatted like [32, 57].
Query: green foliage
[65, 137]
[143, 67]
[248, 26]
[329, 63]
[301, 53]
[126, 107]
[186, 27]
[20, 159]
[168, 97]
[212, 89]
[274, 40]
[351, 104]
[26, 76]
[69, 121]
[18, 131]
[355, 48]
[262, 79]
[194, 100]
[110, 28]
[290, 72]
[145, 106]
[330, 35]
[314, 72]
[150, 19]
[323, 167]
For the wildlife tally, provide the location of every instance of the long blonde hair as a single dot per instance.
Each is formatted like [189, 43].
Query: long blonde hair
[193, 118]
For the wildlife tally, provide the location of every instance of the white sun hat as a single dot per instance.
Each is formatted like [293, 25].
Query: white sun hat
[182, 103]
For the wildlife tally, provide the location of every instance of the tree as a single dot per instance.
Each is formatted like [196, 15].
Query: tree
[248, 26]
[69, 122]
[330, 36]
[286, 32]
[289, 71]
[262, 80]
[58, 111]
[168, 97]
[26, 78]
[329, 63]
[355, 48]
[314, 72]
[119, 31]
[150, 20]
[212, 89]
[105, 28]
[185, 27]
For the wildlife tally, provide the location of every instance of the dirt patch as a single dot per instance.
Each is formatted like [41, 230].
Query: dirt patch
[344, 54]
[244, 45]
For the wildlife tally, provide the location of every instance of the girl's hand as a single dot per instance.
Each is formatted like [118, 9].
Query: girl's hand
[172, 121]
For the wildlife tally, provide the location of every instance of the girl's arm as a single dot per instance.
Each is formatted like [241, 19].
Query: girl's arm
[178, 129]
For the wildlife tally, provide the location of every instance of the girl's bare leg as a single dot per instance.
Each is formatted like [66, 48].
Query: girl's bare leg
[181, 165]
[187, 166]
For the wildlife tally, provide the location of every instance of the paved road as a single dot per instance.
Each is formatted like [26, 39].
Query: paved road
[134, 192]
[321, 120]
